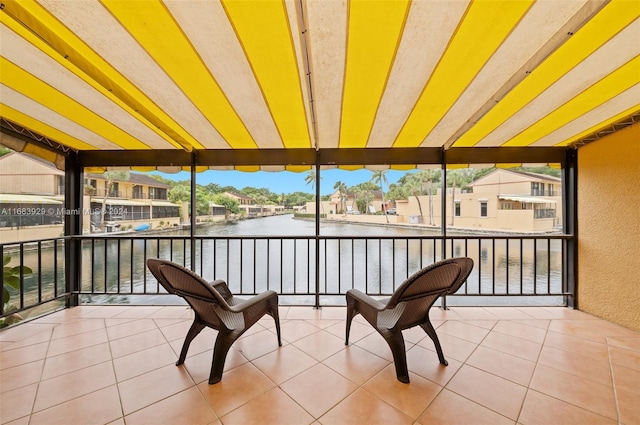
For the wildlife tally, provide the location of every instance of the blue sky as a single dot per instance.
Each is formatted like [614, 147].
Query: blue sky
[284, 181]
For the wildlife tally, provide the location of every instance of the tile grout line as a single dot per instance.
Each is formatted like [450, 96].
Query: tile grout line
[526, 393]
[613, 381]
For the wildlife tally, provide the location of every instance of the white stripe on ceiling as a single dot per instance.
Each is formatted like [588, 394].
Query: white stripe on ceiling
[43, 67]
[624, 103]
[426, 35]
[465, 56]
[537, 28]
[208, 28]
[264, 31]
[91, 21]
[327, 35]
[610, 20]
[598, 65]
[370, 57]
[296, 34]
[52, 118]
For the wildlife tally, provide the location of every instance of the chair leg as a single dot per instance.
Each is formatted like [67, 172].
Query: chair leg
[351, 313]
[194, 330]
[428, 328]
[276, 317]
[396, 343]
[224, 341]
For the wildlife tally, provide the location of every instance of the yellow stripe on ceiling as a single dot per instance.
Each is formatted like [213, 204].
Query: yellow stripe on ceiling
[402, 167]
[49, 51]
[151, 24]
[484, 20]
[615, 83]
[612, 19]
[39, 127]
[602, 125]
[248, 168]
[262, 27]
[374, 33]
[38, 91]
[298, 168]
[71, 48]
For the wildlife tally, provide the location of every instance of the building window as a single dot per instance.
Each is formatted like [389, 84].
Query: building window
[552, 191]
[483, 209]
[114, 193]
[137, 192]
[457, 209]
[157, 193]
[506, 205]
[537, 189]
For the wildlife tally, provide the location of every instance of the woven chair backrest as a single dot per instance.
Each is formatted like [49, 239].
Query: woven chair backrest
[431, 280]
[188, 284]
[466, 265]
[154, 264]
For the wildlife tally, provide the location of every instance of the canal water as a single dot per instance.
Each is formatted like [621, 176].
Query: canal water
[287, 264]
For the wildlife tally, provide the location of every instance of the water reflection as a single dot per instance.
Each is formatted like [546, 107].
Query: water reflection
[277, 260]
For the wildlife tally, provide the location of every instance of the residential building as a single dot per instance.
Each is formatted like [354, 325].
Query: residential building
[23, 173]
[32, 193]
[126, 201]
[503, 200]
[241, 198]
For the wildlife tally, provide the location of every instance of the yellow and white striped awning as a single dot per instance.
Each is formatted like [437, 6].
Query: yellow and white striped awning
[287, 74]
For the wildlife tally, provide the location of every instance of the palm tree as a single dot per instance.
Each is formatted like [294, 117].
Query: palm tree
[112, 177]
[379, 178]
[342, 191]
[313, 179]
[260, 200]
[415, 188]
[429, 176]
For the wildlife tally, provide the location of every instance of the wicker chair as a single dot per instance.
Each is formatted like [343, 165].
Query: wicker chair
[409, 306]
[215, 307]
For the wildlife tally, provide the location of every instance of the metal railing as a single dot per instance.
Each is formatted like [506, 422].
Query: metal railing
[512, 268]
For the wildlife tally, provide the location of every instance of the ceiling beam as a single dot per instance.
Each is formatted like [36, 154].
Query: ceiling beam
[510, 155]
[366, 156]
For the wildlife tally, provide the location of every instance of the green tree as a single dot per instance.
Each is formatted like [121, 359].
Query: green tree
[341, 187]
[112, 178]
[261, 200]
[397, 191]
[414, 187]
[363, 197]
[428, 177]
[212, 189]
[231, 205]
[312, 179]
[297, 199]
[379, 178]
[182, 193]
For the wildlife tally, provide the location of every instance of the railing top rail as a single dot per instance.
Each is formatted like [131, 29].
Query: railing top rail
[33, 241]
[328, 237]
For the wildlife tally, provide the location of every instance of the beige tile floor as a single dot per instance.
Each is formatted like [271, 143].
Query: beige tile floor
[115, 365]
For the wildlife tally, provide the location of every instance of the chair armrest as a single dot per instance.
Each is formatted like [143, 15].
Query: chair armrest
[222, 288]
[258, 299]
[365, 299]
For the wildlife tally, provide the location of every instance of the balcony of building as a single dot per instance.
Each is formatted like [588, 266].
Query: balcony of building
[308, 86]
[507, 365]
